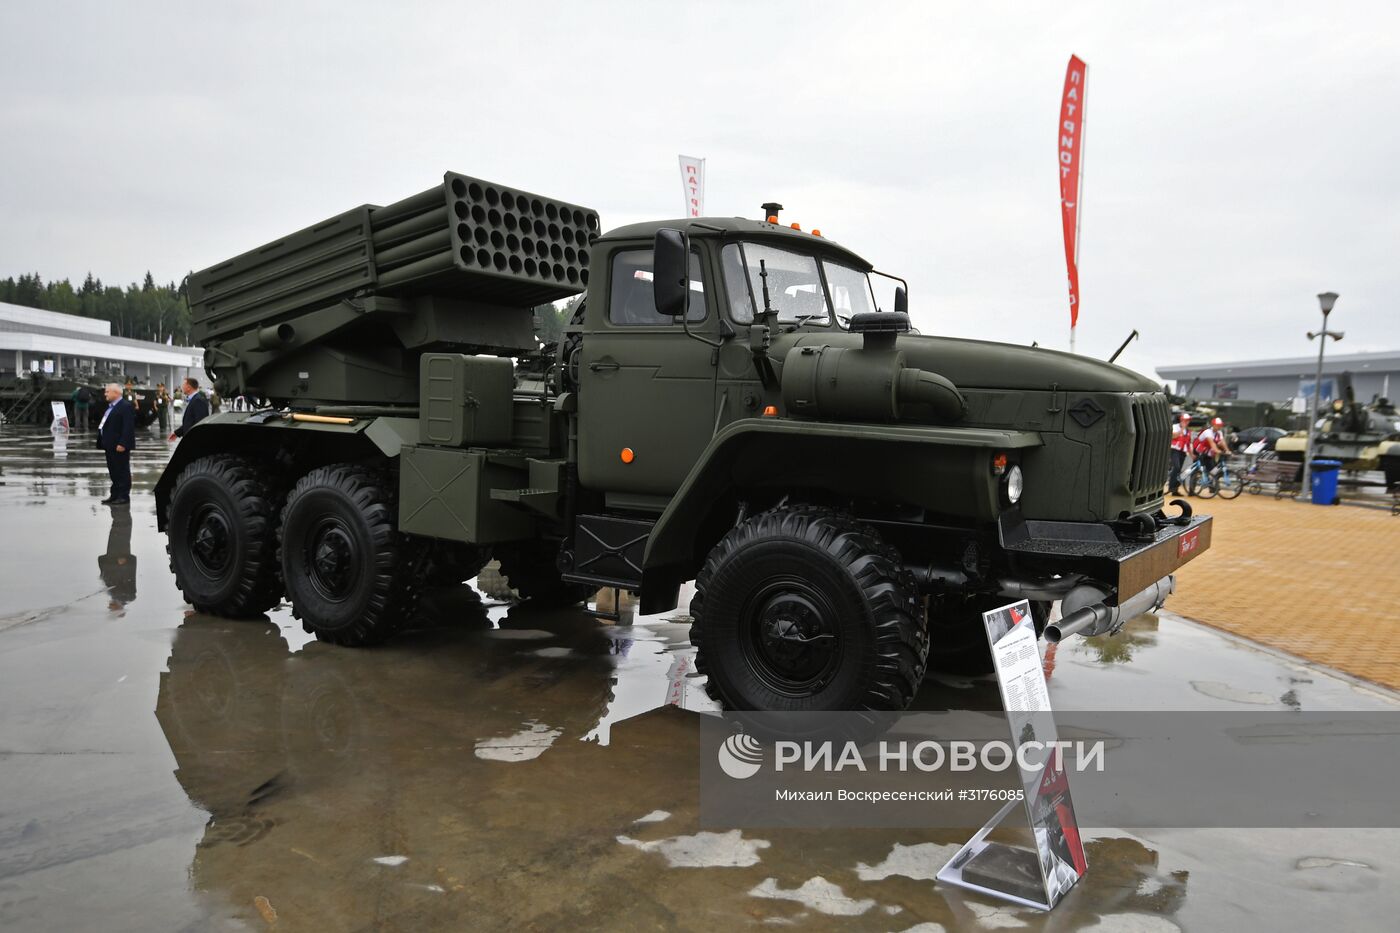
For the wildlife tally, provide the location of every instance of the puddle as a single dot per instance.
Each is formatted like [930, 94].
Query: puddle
[242, 765]
[1221, 691]
[522, 746]
[704, 849]
[997, 917]
[1342, 875]
[920, 862]
[1132, 923]
[816, 893]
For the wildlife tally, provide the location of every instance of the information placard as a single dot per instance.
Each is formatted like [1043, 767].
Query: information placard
[1040, 878]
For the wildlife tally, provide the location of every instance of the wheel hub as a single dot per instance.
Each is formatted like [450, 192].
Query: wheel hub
[794, 645]
[333, 562]
[210, 543]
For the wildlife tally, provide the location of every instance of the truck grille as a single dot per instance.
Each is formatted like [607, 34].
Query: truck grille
[1151, 447]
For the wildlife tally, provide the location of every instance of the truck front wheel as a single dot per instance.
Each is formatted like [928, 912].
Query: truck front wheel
[342, 557]
[803, 608]
[222, 536]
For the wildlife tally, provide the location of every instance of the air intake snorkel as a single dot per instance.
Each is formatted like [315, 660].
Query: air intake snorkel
[869, 383]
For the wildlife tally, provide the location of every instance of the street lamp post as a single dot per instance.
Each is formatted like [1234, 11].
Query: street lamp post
[1327, 300]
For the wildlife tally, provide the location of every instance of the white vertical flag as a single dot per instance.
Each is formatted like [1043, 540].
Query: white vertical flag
[693, 181]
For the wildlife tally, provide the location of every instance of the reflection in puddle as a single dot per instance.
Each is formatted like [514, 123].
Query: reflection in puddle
[704, 849]
[816, 893]
[523, 746]
[1220, 691]
[920, 862]
[1320, 873]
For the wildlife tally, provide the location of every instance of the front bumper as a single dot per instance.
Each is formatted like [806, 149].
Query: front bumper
[1096, 550]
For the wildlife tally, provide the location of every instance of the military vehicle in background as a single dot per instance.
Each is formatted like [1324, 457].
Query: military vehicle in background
[28, 397]
[1240, 414]
[1363, 437]
[726, 405]
[1237, 414]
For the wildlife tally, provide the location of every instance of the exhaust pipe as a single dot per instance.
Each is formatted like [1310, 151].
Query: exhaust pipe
[276, 336]
[1099, 618]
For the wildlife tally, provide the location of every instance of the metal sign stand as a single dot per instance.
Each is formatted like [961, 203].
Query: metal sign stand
[1036, 878]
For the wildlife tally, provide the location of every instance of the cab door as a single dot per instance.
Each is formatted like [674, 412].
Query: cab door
[646, 399]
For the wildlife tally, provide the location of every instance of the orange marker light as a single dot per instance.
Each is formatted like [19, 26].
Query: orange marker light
[770, 411]
[772, 218]
[795, 226]
[999, 464]
[816, 232]
[627, 455]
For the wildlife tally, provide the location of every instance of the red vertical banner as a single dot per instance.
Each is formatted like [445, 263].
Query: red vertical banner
[693, 181]
[1071, 157]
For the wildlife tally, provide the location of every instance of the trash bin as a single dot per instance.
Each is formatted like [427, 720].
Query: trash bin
[1324, 481]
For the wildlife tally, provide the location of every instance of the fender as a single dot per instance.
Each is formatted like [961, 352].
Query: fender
[912, 464]
[302, 445]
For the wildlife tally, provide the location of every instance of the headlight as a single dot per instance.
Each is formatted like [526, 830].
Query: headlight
[1014, 484]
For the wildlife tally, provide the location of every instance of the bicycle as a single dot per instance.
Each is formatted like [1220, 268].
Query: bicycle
[1220, 481]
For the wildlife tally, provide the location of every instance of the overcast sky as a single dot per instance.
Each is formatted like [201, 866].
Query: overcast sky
[1240, 157]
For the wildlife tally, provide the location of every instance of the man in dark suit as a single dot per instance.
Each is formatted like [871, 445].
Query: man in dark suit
[116, 435]
[196, 407]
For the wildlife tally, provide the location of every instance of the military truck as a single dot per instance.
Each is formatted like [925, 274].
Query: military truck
[728, 405]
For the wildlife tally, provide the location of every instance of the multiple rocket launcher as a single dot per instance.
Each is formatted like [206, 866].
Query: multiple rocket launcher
[459, 265]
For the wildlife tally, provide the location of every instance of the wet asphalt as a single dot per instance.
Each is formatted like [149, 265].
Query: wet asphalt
[497, 768]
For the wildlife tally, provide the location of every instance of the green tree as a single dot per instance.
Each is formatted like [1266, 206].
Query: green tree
[551, 319]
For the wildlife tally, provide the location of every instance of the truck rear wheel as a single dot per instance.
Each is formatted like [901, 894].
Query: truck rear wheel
[222, 536]
[342, 557]
[530, 569]
[802, 608]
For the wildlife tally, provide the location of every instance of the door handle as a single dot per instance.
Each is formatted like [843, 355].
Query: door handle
[602, 367]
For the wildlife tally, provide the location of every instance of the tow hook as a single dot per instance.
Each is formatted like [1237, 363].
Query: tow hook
[1181, 518]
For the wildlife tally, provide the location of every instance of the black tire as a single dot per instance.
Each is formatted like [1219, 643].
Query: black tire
[819, 575]
[958, 636]
[531, 569]
[349, 573]
[1201, 486]
[222, 536]
[1231, 488]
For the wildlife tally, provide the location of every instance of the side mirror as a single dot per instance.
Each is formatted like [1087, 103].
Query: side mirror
[901, 300]
[671, 273]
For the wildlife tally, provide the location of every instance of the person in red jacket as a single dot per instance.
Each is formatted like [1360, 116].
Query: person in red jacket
[1181, 450]
[1211, 444]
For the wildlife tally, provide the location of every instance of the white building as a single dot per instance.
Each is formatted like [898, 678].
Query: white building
[66, 344]
[1282, 380]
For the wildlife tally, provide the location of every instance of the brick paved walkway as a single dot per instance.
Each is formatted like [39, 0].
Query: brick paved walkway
[1319, 582]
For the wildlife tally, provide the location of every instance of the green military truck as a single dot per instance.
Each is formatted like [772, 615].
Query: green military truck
[727, 405]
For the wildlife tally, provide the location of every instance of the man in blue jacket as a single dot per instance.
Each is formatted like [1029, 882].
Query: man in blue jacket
[116, 435]
[196, 407]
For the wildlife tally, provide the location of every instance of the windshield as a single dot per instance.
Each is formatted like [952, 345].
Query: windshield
[800, 289]
[850, 290]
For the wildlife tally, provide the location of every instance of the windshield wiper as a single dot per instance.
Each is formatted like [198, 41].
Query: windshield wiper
[803, 319]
